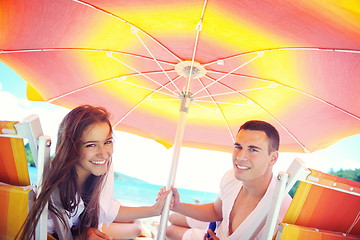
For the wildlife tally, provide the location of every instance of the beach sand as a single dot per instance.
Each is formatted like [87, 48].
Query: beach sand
[149, 227]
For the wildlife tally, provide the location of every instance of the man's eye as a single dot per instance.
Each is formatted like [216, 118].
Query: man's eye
[254, 150]
[237, 147]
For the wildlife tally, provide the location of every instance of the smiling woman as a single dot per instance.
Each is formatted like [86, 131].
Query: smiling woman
[77, 178]
[70, 185]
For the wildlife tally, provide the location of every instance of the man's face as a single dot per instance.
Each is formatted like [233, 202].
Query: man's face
[251, 158]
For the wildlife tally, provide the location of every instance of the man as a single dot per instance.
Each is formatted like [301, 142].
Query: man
[245, 191]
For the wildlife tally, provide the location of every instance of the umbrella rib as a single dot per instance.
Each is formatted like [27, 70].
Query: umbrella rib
[83, 49]
[150, 89]
[110, 55]
[104, 81]
[227, 74]
[80, 89]
[294, 89]
[285, 128]
[198, 30]
[322, 100]
[257, 104]
[163, 99]
[275, 83]
[232, 92]
[285, 48]
[138, 104]
[126, 22]
[156, 61]
[228, 103]
[239, 75]
[218, 107]
[210, 110]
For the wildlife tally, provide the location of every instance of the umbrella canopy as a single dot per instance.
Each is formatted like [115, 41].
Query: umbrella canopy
[293, 64]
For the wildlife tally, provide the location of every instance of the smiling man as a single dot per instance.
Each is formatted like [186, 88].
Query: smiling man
[245, 191]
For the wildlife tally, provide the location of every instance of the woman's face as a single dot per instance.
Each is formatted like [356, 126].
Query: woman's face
[96, 150]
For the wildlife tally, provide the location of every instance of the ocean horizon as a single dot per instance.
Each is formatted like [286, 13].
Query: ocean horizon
[130, 191]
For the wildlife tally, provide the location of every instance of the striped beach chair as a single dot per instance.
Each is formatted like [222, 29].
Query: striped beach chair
[294, 232]
[16, 193]
[324, 206]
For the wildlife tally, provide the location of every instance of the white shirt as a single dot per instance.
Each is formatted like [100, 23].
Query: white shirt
[229, 189]
[109, 206]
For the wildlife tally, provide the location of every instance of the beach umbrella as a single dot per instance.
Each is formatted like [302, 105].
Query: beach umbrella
[189, 73]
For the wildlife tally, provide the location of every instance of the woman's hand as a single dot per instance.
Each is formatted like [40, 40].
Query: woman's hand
[160, 201]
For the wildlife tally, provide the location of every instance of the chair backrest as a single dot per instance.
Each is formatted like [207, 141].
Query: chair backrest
[15, 203]
[327, 202]
[322, 201]
[16, 194]
[12, 152]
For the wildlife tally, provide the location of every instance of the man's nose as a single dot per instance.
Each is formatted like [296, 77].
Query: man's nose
[241, 155]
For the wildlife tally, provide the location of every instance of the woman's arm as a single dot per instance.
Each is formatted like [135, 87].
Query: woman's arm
[132, 213]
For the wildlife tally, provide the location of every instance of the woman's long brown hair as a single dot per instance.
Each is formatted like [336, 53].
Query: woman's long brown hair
[61, 174]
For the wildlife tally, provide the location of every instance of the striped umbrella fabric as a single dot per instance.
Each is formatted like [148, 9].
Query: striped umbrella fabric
[294, 64]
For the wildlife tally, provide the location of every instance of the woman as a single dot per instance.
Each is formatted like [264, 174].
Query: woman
[75, 178]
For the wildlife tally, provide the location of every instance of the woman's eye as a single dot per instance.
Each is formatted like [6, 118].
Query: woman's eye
[90, 145]
[109, 142]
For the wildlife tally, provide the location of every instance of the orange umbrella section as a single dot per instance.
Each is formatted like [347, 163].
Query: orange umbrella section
[292, 64]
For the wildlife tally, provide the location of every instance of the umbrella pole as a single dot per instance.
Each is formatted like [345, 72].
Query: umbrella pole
[185, 102]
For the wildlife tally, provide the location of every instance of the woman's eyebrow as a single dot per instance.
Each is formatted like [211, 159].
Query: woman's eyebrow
[95, 141]
[89, 142]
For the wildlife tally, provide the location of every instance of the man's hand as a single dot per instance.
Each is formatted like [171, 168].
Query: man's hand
[212, 235]
[175, 200]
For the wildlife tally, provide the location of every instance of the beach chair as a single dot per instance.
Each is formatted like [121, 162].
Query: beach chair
[16, 193]
[294, 232]
[324, 205]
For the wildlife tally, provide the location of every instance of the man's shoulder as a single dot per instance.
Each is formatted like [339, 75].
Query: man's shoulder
[228, 176]
[229, 182]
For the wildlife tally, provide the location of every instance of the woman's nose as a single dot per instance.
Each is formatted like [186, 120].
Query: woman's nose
[103, 151]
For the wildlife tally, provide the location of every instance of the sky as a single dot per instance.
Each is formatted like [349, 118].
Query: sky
[148, 160]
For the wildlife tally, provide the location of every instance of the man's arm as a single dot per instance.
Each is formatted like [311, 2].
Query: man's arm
[209, 212]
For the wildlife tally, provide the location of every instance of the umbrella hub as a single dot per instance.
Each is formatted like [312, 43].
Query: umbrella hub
[189, 68]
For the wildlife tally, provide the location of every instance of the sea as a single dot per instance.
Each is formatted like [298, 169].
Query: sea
[131, 191]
